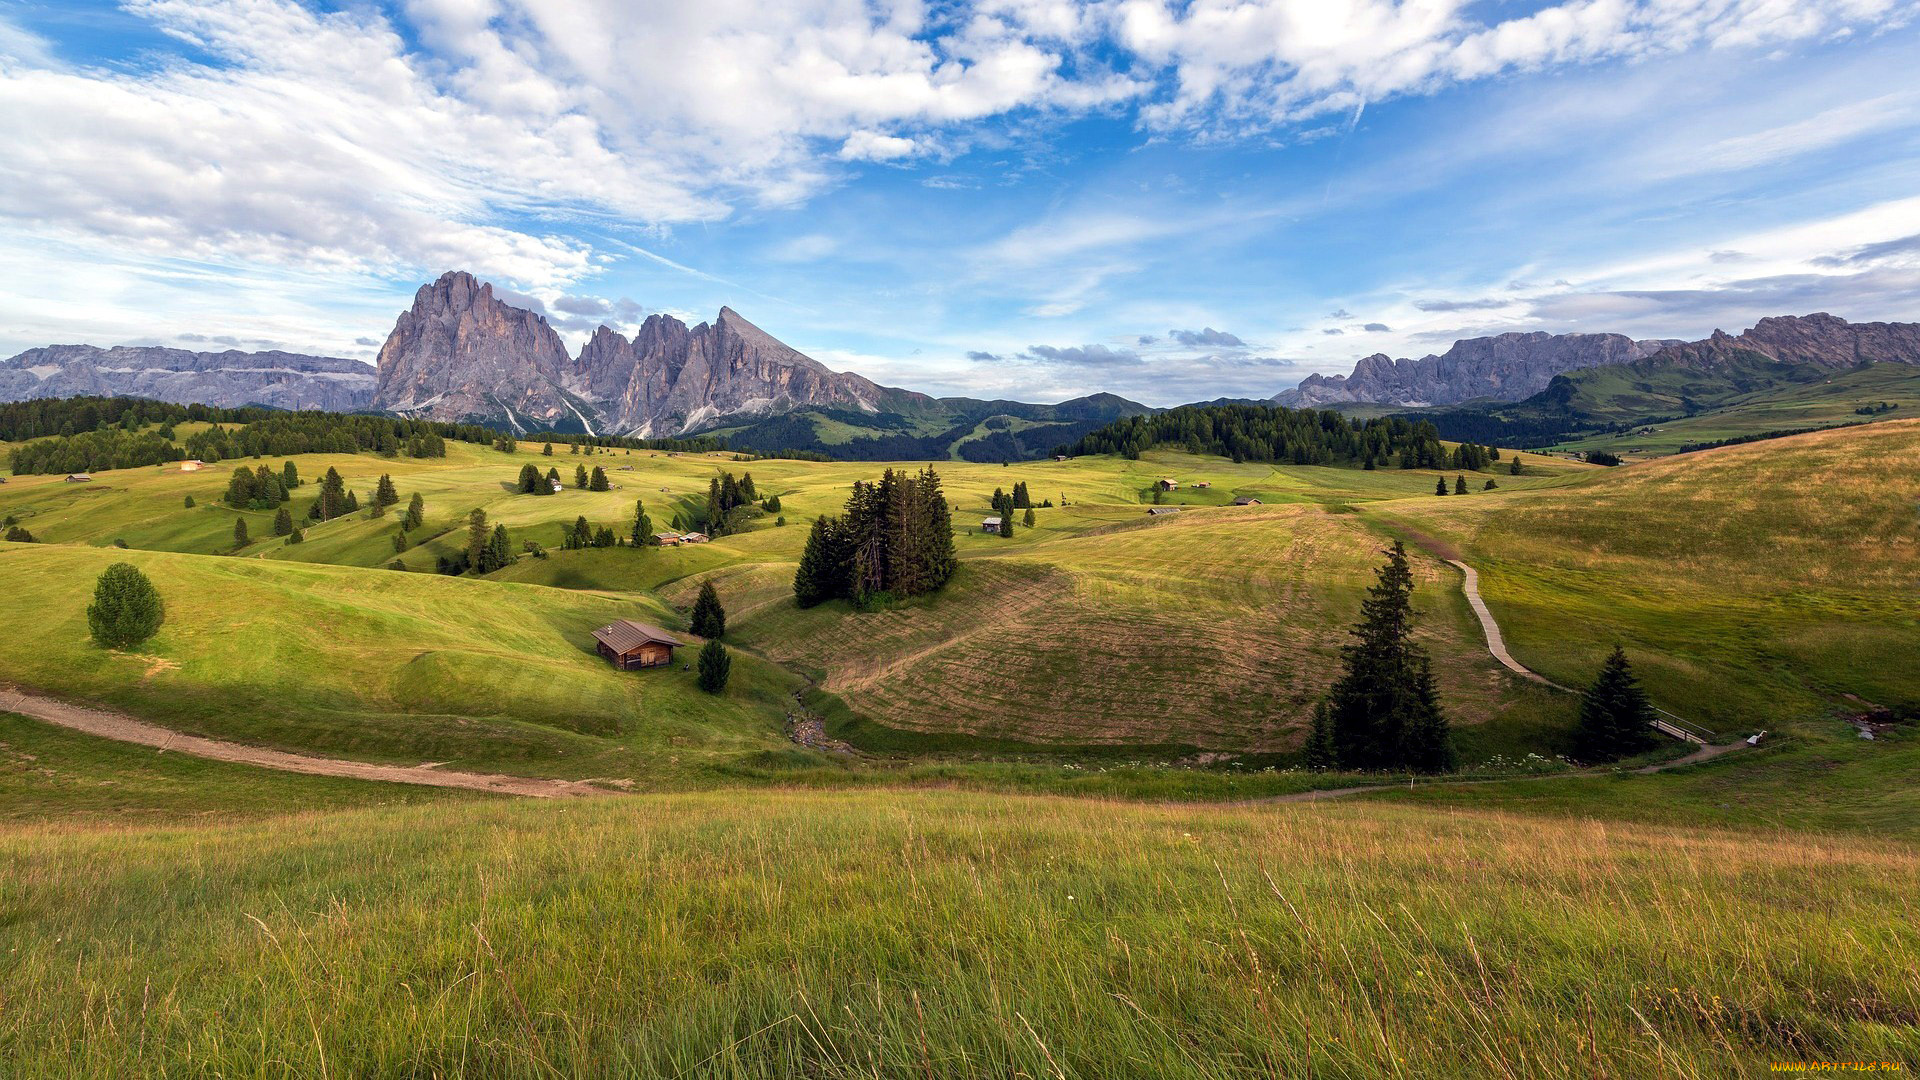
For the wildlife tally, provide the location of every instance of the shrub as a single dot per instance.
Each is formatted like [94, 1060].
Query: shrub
[126, 608]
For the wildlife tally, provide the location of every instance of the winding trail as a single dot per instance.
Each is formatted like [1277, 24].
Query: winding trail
[123, 728]
[1496, 644]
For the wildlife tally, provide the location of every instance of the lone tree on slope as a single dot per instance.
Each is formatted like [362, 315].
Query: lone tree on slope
[1616, 719]
[715, 667]
[1384, 707]
[126, 608]
[709, 618]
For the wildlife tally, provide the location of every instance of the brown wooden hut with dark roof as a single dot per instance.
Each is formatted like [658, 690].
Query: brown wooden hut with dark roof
[628, 644]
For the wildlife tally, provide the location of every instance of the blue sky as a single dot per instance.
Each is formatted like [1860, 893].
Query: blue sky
[1018, 198]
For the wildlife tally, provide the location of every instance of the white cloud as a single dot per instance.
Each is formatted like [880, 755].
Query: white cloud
[873, 146]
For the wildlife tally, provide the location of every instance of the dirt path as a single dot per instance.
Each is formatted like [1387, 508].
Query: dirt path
[1496, 644]
[1703, 753]
[123, 728]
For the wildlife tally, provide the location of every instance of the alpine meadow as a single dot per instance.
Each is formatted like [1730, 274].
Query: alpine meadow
[1058, 540]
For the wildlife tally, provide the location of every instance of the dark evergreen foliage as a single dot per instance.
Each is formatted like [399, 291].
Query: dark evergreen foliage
[895, 539]
[1268, 433]
[1384, 707]
[1319, 754]
[1616, 719]
[716, 666]
[598, 481]
[709, 618]
[282, 522]
[642, 534]
[126, 608]
[240, 538]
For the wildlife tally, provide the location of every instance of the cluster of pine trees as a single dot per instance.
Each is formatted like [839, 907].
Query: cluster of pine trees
[262, 488]
[728, 501]
[1383, 713]
[583, 535]
[334, 499]
[894, 539]
[533, 482]
[1003, 506]
[1269, 433]
[24, 420]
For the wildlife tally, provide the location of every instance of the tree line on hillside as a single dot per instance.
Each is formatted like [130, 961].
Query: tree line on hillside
[894, 539]
[1271, 433]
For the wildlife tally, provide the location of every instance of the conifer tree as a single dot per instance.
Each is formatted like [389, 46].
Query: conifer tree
[384, 494]
[580, 477]
[1460, 485]
[1385, 710]
[1319, 754]
[1440, 486]
[599, 480]
[289, 476]
[747, 492]
[553, 480]
[1490, 485]
[547, 450]
[603, 537]
[499, 551]
[353, 501]
[479, 535]
[297, 536]
[240, 533]
[1028, 519]
[1513, 468]
[819, 575]
[1616, 719]
[126, 608]
[715, 667]
[189, 502]
[282, 522]
[400, 543]
[333, 496]
[642, 525]
[416, 512]
[709, 618]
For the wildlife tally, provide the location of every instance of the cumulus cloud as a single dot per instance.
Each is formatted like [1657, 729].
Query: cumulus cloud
[1145, 339]
[1206, 338]
[978, 355]
[1377, 328]
[873, 146]
[1083, 355]
[1334, 330]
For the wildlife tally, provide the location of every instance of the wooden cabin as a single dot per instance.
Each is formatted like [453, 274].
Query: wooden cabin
[1169, 485]
[694, 538]
[990, 525]
[628, 645]
[668, 539]
[1204, 484]
[1158, 510]
[79, 478]
[1246, 500]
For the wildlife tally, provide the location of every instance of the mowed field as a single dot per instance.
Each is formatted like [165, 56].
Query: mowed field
[947, 934]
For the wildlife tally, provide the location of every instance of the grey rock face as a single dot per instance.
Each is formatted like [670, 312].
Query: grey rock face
[1507, 367]
[1820, 338]
[461, 354]
[282, 380]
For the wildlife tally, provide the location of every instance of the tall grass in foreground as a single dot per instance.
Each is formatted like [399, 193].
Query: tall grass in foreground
[946, 934]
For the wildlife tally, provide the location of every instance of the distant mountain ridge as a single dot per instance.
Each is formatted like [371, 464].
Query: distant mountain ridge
[462, 354]
[1515, 366]
[282, 380]
[1506, 367]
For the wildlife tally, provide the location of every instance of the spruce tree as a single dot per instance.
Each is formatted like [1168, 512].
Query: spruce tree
[400, 543]
[715, 667]
[384, 494]
[282, 522]
[580, 476]
[1490, 485]
[479, 535]
[603, 537]
[529, 482]
[1616, 719]
[416, 512]
[1440, 486]
[1460, 485]
[547, 450]
[1319, 754]
[642, 525]
[1028, 519]
[126, 608]
[1514, 467]
[289, 476]
[818, 577]
[499, 550]
[747, 492]
[189, 502]
[297, 536]
[553, 481]
[709, 618]
[598, 481]
[240, 533]
[1385, 711]
[333, 500]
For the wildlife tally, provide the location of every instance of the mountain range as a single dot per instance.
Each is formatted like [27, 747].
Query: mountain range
[460, 353]
[1514, 367]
